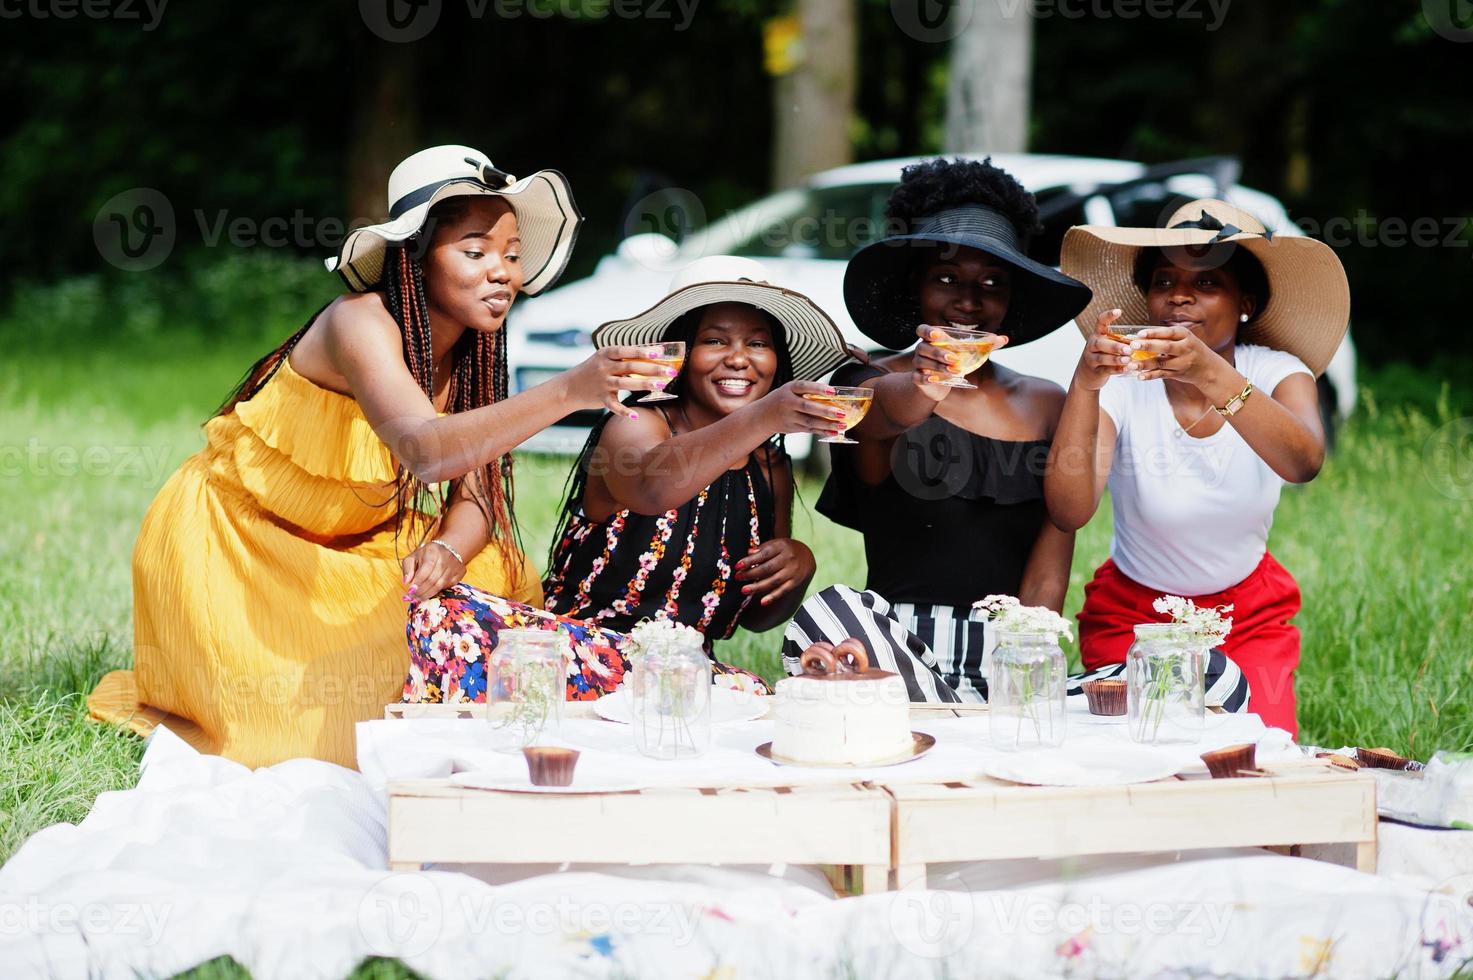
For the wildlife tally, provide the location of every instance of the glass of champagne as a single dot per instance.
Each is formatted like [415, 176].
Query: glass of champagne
[1125, 333]
[853, 402]
[971, 347]
[670, 355]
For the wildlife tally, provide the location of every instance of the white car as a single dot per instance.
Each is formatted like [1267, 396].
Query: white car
[806, 235]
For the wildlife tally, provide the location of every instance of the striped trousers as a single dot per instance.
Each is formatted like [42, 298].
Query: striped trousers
[943, 652]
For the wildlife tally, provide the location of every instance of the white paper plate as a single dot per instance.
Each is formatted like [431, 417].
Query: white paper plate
[1115, 765]
[726, 706]
[522, 783]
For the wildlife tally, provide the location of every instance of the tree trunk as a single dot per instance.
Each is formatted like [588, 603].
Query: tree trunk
[814, 102]
[385, 125]
[987, 97]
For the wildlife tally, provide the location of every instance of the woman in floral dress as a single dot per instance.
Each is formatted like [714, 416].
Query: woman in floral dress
[682, 510]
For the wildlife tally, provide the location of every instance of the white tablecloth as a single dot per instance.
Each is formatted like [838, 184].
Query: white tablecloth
[284, 869]
[415, 748]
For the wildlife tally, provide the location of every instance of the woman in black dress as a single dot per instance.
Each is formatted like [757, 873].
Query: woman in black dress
[946, 484]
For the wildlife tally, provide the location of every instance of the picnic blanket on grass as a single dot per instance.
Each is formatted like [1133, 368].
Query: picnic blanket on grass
[284, 868]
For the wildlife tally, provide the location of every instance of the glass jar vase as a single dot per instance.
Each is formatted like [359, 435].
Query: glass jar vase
[525, 688]
[670, 697]
[1165, 690]
[1025, 691]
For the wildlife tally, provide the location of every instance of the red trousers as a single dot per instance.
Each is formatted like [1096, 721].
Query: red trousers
[1262, 643]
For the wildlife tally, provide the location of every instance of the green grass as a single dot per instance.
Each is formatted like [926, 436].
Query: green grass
[86, 438]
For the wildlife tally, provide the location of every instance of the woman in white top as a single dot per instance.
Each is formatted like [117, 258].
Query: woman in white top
[1195, 425]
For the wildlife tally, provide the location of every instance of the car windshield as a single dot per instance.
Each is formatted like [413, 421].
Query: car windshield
[834, 222]
[806, 223]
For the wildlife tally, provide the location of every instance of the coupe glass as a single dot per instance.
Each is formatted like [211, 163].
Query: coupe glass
[972, 349]
[853, 402]
[670, 355]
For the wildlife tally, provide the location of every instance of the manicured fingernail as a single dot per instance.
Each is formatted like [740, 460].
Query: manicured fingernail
[413, 589]
[634, 415]
[671, 371]
[1114, 312]
[746, 589]
[763, 601]
[830, 391]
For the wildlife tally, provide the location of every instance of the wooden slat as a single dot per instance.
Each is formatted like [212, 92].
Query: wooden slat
[985, 822]
[430, 822]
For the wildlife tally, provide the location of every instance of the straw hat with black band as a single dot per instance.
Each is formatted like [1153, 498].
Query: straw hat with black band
[1308, 307]
[881, 293]
[815, 345]
[547, 218]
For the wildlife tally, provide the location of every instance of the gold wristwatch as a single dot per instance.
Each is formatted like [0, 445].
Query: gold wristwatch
[1235, 403]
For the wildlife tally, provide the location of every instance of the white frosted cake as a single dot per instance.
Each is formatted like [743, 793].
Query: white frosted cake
[844, 720]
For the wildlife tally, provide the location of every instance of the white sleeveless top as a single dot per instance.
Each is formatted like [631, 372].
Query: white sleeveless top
[1192, 516]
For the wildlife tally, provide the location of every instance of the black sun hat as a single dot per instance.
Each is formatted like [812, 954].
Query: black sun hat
[881, 294]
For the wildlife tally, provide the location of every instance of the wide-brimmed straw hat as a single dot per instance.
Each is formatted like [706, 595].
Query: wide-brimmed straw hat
[547, 218]
[815, 345]
[1308, 308]
[881, 293]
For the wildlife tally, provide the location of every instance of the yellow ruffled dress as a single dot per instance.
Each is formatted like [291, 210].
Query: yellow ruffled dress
[267, 617]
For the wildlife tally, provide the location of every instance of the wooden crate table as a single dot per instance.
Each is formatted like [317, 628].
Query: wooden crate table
[984, 819]
[843, 828]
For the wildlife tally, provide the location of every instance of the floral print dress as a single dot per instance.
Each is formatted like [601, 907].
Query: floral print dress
[606, 577]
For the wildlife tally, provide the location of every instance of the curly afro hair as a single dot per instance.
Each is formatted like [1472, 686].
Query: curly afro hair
[935, 185]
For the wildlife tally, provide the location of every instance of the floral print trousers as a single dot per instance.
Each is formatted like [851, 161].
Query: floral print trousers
[451, 637]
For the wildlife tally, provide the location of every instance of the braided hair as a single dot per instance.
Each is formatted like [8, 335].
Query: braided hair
[479, 377]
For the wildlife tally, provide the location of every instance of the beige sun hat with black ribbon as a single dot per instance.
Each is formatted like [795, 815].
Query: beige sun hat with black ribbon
[547, 218]
[1308, 308]
[815, 344]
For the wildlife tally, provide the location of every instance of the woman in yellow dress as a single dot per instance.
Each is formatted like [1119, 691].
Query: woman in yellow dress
[363, 463]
